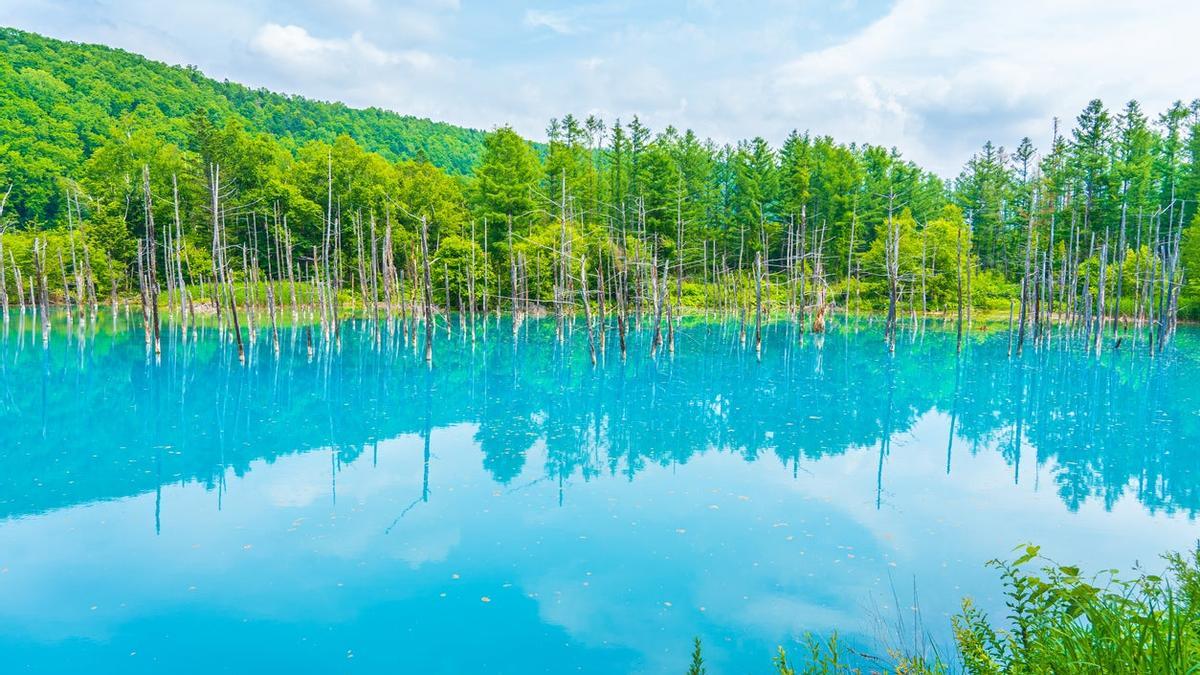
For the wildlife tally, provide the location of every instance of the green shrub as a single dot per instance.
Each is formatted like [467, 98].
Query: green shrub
[1058, 622]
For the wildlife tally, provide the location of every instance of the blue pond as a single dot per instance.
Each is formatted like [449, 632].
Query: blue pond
[514, 509]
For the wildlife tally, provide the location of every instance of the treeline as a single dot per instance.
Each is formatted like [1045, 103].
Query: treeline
[62, 101]
[1099, 226]
[1118, 190]
[814, 205]
[665, 203]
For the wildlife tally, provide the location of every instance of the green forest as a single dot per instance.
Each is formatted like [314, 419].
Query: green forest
[61, 102]
[125, 181]
[96, 144]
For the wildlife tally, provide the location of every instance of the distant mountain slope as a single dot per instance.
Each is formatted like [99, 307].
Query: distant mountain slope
[58, 101]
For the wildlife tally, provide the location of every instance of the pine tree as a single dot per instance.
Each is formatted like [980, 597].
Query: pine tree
[505, 181]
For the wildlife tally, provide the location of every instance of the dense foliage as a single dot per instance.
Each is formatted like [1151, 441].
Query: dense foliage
[80, 125]
[61, 102]
[1059, 621]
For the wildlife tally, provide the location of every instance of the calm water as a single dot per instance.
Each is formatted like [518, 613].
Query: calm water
[514, 510]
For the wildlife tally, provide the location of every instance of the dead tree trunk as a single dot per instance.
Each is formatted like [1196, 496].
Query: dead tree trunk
[587, 308]
[959, 289]
[151, 258]
[893, 273]
[758, 275]
[428, 292]
[3, 281]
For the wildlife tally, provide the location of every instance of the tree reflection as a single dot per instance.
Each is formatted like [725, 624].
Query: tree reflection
[90, 419]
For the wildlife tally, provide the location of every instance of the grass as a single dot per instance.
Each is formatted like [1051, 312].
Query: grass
[1057, 621]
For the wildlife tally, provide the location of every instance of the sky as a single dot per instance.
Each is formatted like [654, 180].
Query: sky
[933, 78]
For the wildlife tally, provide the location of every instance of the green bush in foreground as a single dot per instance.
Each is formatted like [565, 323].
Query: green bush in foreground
[1061, 622]
[1058, 622]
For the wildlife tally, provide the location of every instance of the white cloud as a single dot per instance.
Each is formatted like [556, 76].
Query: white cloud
[294, 47]
[555, 21]
[289, 43]
[937, 77]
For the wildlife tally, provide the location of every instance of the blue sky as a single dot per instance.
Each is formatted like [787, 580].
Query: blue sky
[935, 78]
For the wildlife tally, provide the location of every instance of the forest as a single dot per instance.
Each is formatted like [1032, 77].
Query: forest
[97, 145]
[226, 212]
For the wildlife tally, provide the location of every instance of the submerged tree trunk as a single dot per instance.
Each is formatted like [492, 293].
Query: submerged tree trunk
[587, 308]
[3, 282]
[151, 258]
[428, 292]
[959, 288]
[758, 274]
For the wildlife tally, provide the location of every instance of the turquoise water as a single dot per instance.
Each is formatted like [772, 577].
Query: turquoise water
[515, 510]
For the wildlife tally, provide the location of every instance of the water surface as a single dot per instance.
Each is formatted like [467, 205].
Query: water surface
[515, 510]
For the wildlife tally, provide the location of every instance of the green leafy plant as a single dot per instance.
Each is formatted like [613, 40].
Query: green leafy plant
[697, 667]
[1058, 621]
